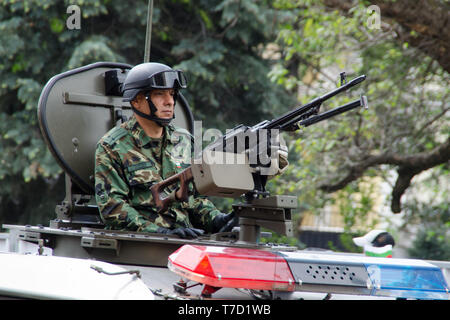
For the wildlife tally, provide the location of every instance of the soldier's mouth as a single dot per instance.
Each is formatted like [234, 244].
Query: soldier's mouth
[166, 113]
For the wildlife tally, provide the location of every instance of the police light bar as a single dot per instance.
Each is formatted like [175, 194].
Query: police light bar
[222, 267]
[373, 276]
[232, 267]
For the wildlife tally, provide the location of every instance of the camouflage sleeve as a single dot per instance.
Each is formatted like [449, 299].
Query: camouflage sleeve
[203, 212]
[111, 194]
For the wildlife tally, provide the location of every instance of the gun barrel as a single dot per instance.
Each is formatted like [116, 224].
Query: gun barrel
[280, 123]
[330, 113]
[357, 80]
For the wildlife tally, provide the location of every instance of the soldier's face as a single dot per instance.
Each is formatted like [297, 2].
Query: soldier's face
[164, 102]
[163, 99]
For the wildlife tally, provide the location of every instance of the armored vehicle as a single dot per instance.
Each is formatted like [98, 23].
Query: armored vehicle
[76, 108]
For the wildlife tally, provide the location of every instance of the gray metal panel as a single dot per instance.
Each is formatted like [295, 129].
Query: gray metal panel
[329, 274]
[318, 273]
[71, 126]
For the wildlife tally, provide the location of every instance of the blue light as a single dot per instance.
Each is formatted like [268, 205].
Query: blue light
[407, 281]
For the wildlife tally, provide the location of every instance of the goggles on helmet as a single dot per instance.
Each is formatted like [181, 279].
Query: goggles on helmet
[168, 79]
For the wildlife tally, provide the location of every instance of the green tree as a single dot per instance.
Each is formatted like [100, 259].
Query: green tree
[403, 137]
[406, 129]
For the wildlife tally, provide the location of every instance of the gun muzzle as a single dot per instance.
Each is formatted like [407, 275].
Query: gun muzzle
[355, 81]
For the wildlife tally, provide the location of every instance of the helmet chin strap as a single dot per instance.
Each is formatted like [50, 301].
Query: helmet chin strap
[159, 121]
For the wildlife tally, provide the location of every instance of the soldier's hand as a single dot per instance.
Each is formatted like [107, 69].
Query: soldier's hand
[225, 222]
[184, 233]
[280, 162]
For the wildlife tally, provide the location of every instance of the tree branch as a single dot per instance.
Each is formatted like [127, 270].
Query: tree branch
[408, 167]
[430, 122]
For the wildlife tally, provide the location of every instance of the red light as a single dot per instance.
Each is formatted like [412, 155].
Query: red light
[232, 267]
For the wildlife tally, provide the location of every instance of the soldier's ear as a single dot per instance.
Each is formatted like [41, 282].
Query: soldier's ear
[137, 101]
[134, 103]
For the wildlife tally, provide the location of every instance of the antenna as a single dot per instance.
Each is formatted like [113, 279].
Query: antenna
[148, 36]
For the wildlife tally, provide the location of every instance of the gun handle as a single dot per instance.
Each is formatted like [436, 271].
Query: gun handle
[181, 194]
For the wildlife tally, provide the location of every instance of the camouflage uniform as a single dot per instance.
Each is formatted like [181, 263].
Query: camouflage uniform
[128, 162]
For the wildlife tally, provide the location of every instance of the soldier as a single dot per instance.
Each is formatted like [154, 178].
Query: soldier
[145, 150]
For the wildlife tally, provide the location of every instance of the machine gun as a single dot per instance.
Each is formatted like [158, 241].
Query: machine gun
[240, 162]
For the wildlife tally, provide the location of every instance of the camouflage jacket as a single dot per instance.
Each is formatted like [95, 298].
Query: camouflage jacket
[128, 162]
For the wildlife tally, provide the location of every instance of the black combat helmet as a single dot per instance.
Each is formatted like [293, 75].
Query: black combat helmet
[148, 76]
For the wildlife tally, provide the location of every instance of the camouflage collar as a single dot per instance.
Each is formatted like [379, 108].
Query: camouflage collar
[141, 138]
